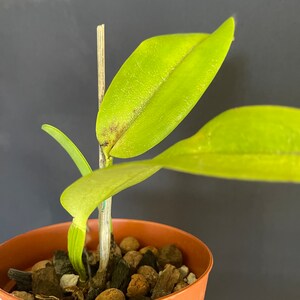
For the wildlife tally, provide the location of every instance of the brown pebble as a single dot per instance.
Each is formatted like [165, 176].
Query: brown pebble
[93, 258]
[23, 295]
[150, 274]
[180, 285]
[45, 282]
[129, 243]
[77, 293]
[133, 258]
[170, 254]
[138, 286]
[151, 248]
[111, 294]
[166, 281]
[40, 265]
[115, 250]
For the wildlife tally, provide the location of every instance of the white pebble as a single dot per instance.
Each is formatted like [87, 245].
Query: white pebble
[68, 280]
[191, 278]
[184, 271]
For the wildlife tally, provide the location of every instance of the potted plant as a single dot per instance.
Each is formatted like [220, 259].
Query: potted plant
[151, 94]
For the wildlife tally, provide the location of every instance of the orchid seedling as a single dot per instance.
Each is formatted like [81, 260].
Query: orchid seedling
[152, 93]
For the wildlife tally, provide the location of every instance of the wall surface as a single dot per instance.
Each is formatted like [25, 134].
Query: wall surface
[48, 75]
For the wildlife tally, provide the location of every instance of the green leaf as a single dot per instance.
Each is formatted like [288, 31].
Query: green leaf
[157, 87]
[82, 197]
[70, 148]
[250, 143]
[255, 143]
[77, 232]
[76, 243]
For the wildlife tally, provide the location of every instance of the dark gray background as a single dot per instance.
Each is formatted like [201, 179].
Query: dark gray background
[48, 74]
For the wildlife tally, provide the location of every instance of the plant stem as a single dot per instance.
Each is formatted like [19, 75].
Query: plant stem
[104, 209]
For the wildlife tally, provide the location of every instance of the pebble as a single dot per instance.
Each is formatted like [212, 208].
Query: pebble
[93, 258]
[133, 258]
[23, 279]
[62, 263]
[153, 249]
[115, 250]
[150, 274]
[121, 275]
[170, 254]
[77, 293]
[138, 286]
[129, 243]
[45, 282]
[40, 265]
[166, 281]
[111, 294]
[180, 285]
[191, 278]
[184, 271]
[149, 259]
[68, 280]
[23, 295]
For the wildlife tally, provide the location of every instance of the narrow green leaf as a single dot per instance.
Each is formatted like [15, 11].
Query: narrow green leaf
[76, 243]
[70, 148]
[250, 143]
[77, 231]
[157, 87]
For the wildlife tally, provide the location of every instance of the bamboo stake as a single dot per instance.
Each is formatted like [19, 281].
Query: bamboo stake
[104, 217]
[101, 77]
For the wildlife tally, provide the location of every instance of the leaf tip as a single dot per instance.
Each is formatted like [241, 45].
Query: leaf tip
[229, 26]
[45, 127]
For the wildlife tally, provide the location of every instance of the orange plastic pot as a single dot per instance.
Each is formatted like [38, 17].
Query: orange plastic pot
[24, 250]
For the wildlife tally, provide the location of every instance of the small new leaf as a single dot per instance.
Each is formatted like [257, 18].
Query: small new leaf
[77, 232]
[75, 154]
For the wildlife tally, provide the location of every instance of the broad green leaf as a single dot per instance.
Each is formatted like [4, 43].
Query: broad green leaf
[70, 148]
[157, 87]
[84, 195]
[251, 143]
[255, 142]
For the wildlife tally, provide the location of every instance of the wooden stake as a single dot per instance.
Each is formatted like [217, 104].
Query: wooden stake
[101, 77]
[104, 209]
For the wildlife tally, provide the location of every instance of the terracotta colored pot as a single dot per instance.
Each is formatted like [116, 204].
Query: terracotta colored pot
[23, 251]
